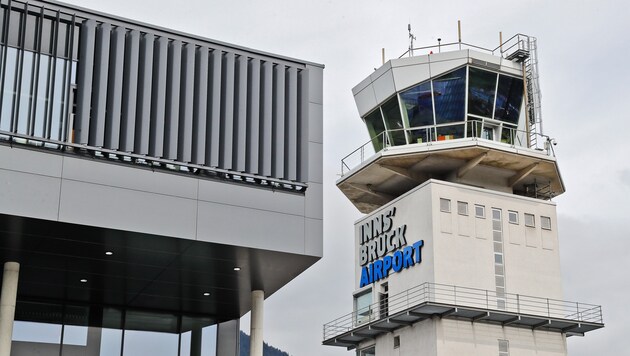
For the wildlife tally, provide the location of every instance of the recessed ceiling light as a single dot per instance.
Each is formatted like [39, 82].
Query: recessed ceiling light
[237, 268]
[109, 253]
[83, 280]
[206, 294]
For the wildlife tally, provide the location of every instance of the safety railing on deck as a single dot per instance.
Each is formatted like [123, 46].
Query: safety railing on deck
[430, 134]
[464, 297]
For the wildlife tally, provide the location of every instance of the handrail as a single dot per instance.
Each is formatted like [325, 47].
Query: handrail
[464, 297]
[384, 140]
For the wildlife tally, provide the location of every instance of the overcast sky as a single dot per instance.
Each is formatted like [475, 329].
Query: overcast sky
[585, 76]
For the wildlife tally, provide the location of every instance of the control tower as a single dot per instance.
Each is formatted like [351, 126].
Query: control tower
[458, 253]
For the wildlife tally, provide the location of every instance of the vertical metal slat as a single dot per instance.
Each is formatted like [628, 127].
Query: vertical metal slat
[200, 106]
[130, 90]
[253, 116]
[266, 118]
[171, 119]
[303, 123]
[84, 81]
[184, 143]
[99, 88]
[115, 88]
[158, 98]
[278, 131]
[291, 146]
[240, 114]
[213, 130]
[227, 111]
[143, 105]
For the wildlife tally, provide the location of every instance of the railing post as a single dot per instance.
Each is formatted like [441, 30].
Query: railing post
[577, 306]
[487, 301]
[518, 304]
[548, 312]
[455, 295]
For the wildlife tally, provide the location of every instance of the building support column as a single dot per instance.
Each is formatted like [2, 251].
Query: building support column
[256, 324]
[8, 298]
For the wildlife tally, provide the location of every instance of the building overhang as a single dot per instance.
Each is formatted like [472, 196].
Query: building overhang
[144, 271]
[397, 169]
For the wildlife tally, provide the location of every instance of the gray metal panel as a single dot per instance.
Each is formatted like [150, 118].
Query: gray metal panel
[266, 114]
[158, 97]
[227, 111]
[84, 81]
[171, 120]
[213, 132]
[291, 126]
[228, 338]
[143, 109]
[303, 123]
[184, 142]
[278, 117]
[130, 87]
[114, 88]
[99, 88]
[240, 114]
[253, 116]
[200, 106]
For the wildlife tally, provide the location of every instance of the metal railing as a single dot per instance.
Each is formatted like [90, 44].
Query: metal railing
[464, 297]
[154, 163]
[518, 42]
[430, 134]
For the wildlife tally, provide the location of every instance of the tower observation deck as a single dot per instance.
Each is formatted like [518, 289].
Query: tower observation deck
[453, 116]
[458, 253]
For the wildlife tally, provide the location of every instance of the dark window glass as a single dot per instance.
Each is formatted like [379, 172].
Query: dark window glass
[418, 105]
[375, 126]
[509, 134]
[24, 96]
[481, 90]
[47, 34]
[509, 99]
[474, 127]
[449, 95]
[41, 102]
[393, 122]
[450, 132]
[14, 27]
[9, 88]
[31, 31]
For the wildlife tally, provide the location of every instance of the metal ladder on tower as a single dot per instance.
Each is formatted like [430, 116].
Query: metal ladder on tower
[533, 94]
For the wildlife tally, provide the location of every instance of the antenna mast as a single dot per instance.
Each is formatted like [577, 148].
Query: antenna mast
[411, 38]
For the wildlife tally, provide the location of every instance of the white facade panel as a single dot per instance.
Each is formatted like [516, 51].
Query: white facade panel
[240, 226]
[125, 209]
[255, 198]
[30, 195]
[410, 75]
[365, 100]
[313, 242]
[118, 176]
[313, 202]
[384, 86]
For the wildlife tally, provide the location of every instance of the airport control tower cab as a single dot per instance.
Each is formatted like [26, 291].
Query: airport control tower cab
[458, 253]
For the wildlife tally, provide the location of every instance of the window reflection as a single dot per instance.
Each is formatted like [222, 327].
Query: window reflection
[481, 90]
[449, 96]
[418, 105]
[375, 126]
[509, 99]
[450, 132]
[38, 109]
[393, 122]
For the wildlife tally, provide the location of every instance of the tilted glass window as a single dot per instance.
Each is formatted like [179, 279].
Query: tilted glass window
[418, 105]
[529, 220]
[362, 304]
[375, 126]
[449, 95]
[393, 121]
[509, 99]
[545, 222]
[481, 92]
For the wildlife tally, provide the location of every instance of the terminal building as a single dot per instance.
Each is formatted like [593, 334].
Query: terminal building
[458, 253]
[155, 186]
